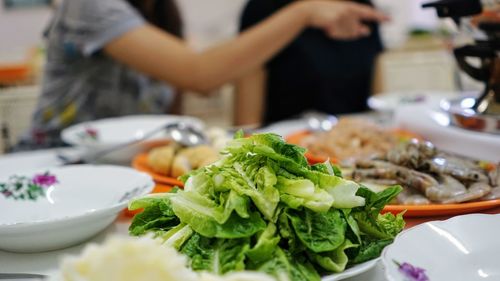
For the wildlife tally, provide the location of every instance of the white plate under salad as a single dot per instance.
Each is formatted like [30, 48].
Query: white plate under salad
[352, 271]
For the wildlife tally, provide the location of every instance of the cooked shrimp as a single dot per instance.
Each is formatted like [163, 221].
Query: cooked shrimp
[448, 188]
[475, 191]
[410, 196]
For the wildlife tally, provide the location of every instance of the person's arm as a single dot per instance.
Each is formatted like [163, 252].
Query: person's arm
[250, 98]
[164, 57]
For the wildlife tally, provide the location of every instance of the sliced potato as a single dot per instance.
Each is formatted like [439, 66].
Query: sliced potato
[181, 165]
[160, 159]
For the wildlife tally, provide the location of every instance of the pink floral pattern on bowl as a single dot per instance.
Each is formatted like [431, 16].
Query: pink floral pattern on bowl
[26, 188]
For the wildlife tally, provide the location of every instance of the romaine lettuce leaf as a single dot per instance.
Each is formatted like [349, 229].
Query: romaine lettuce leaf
[368, 217]
[177, 236]
[390, 223]
[334, 261]
[262, 207]
[370, 249]
[216, 255]
[319, 232]
[307, 194]
[157, 217]
[233, 227]
[284, 267]
[267, 242]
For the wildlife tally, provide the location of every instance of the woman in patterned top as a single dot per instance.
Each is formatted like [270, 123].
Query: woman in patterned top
[116, 57]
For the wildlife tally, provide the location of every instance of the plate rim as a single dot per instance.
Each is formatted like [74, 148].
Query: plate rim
[145, 188]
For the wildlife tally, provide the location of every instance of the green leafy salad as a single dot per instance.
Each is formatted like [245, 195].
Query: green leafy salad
[262, 207]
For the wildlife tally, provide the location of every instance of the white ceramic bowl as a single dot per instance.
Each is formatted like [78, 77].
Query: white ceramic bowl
[84, 201]
[115, 131]
[434, 125]
[461, 248]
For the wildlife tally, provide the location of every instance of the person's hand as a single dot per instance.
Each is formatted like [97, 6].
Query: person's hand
[341, 19]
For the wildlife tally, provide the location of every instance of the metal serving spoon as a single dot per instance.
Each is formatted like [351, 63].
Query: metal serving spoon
[185, 134]
[320, 122]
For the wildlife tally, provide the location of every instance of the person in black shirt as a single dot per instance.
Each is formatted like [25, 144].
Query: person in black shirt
[313, 73]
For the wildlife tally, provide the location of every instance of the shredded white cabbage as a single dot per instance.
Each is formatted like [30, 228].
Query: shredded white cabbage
[137, 259]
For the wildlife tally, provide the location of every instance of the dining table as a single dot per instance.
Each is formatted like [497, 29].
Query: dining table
[47, 263]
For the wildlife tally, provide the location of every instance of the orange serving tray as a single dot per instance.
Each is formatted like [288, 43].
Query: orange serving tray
[442, 209]
[140, 163]
[410, 210]
[296, 139]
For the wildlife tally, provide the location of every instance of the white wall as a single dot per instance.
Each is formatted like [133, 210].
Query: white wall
[208, 22]
[423, 18]
[405, 16]
[20, 30]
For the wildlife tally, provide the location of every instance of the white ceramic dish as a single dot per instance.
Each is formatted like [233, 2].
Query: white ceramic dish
[460, 248]
[115, 131]
[434, 125]
[84, 201]
[353, 271]
[388, 102]
[36, 159]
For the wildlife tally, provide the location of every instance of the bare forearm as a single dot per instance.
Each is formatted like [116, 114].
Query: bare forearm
[165, 57]
[250, 98]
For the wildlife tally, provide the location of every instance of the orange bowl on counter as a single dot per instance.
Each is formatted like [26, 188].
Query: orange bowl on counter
[14, 73]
